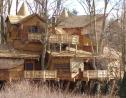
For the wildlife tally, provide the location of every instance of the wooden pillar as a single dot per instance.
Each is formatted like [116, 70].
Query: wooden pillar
[76, 49]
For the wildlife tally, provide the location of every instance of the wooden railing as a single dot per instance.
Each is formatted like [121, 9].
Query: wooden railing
[35, 36]
[95, 74]
[59, 38]
[45, 74]
[64, 38]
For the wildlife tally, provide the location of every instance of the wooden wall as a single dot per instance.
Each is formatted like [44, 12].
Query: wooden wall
[17, 35]
[4, 74]
[86, 43]
[36, 64]
[16, 73]
[28, 46]
[12, 74]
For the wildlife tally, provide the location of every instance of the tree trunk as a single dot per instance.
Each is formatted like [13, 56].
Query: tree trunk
[123, 82]
[17, 1]
[45, 39]
[2, 23]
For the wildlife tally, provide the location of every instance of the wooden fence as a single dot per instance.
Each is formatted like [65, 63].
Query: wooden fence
[35, 36]
[95, 74]
[45, 74]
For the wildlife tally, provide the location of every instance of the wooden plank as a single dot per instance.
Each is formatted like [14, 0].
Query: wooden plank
[63, 74]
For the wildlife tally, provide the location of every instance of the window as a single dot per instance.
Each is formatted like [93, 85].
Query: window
[29, 66]
[34, 29]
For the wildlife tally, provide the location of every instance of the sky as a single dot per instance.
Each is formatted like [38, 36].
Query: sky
[74, 4]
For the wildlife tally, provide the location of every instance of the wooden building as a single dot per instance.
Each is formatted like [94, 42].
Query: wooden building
[81, 25]
[24, 31]
[13, 63]
[67, 57]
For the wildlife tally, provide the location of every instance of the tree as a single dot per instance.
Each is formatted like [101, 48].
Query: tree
[9, 3]
[123, 84]
[1, 22]
[74, 12]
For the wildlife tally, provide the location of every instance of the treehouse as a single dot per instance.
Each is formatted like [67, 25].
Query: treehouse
[81, 25]
[24, 31]
[66, 57]
[13, 63]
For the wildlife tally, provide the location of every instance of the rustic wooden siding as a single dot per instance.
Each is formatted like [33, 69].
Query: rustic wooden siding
[4, 74]
[85, 42]
[18, 35]
[11, 74]
[16, 73]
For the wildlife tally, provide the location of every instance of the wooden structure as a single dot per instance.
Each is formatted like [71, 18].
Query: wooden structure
[64, 38]
[13, 63]
[71, 65]
[44, 74]
[66, 62]
[16, 65]
[80, 25]
[24, 32]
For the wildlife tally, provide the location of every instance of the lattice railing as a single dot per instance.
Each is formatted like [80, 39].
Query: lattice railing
[35, 36]
[95, 74]
[64, 38]
[45, 74]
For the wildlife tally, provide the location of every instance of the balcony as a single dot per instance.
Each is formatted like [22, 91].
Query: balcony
[35, 36]
[45, 74]
[64, 38]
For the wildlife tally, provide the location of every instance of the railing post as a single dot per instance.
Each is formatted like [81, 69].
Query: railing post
[33, 74]
[88, 75]
[44, 75]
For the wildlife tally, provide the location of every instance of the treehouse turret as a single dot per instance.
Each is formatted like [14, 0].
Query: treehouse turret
[25, 31]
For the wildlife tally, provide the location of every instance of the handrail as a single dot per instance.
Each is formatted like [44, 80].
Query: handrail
[45, 74]
[35, 36]
[91, 74]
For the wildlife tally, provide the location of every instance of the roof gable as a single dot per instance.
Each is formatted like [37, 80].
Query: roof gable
[20, 19]
[30, 17]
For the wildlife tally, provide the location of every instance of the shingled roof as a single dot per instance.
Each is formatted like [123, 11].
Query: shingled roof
[77, 21]
[19, 19]
[15, 19]
[7, 51]
[22, 15]
[10, 63]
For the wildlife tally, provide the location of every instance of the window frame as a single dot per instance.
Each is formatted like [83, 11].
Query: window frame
[34, 29]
